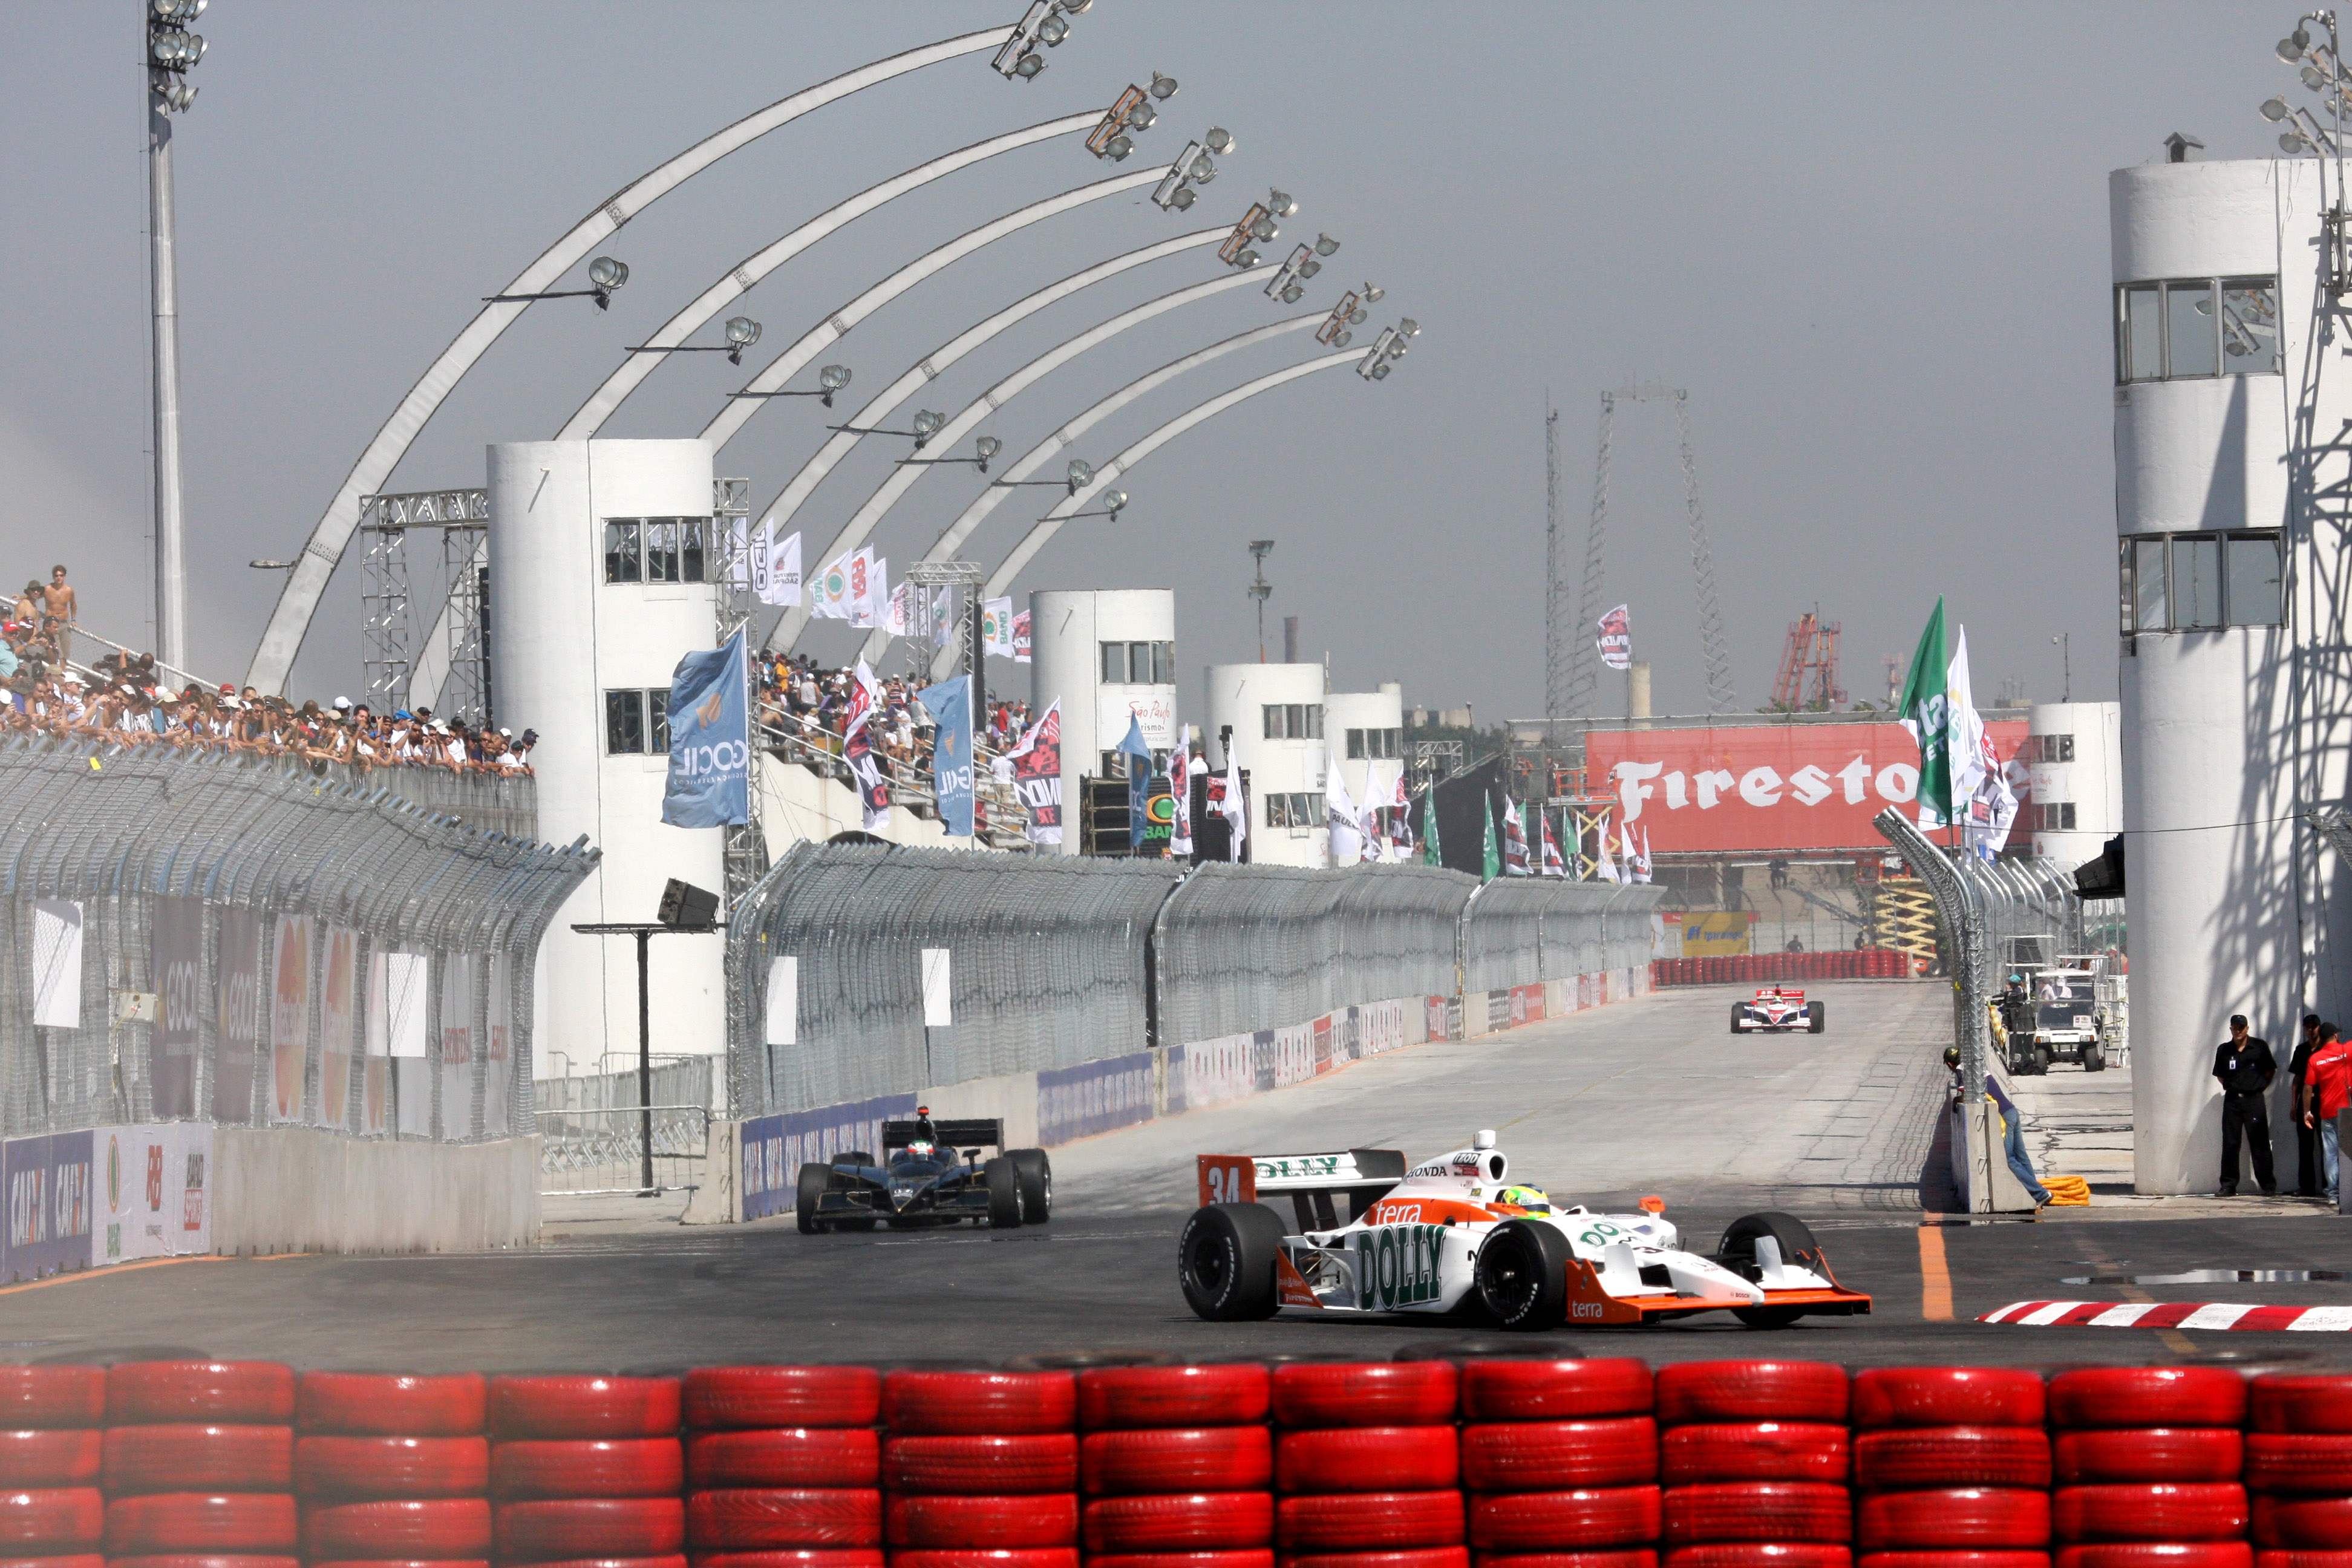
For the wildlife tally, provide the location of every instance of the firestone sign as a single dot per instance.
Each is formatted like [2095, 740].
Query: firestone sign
[1767, 787]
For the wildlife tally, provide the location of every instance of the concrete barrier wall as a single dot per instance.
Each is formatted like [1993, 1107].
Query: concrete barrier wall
[288, 1189]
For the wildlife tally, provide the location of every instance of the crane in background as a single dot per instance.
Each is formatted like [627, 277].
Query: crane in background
[1808, 681]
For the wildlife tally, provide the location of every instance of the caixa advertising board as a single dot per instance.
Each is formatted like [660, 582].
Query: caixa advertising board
[1768, 788]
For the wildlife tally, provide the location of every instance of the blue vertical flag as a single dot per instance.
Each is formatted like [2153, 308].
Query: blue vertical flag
[1137, 753]
[950, 706]
[709, 739]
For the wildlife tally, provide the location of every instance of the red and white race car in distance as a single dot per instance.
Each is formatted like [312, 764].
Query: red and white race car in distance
[1455, 1233]
[1777, 1010]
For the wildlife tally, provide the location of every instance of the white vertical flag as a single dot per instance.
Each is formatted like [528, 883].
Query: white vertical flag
[1235, 808]
[997, 621]
[1339, 808]
[780, 583]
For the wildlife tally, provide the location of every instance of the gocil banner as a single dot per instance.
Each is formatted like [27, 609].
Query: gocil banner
[1080, 1101]
[776, 1147]
[1215, 1071]
[151, 1192]
[177, 943]
[48, 1192]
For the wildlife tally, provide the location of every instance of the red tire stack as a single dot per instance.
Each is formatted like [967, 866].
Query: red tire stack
[2299, 1470]
[51, 1454]
[2148, 1461]
[1753, 1455]
[981, 1468]
[1176, 1467]
[1560, 1460]
[1951, 1469]
[783, 1466]
[199, 1462]
[1367, 1465]
[392, 1468]
[587, 1467]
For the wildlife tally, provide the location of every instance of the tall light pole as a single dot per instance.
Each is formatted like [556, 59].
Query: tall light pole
[170, 50]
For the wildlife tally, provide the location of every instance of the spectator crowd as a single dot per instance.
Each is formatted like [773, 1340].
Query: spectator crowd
[810, 705]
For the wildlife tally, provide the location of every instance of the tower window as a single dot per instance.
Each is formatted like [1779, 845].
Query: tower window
[2201, 582]
[2184, 329]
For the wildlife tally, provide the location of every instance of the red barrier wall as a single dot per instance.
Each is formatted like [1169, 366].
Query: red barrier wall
[1765, 968]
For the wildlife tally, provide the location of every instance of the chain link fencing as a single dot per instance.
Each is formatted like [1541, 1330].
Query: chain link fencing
[1521, 933]
[208, 935]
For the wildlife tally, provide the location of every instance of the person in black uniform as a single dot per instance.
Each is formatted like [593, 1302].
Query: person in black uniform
[2245, 1067]
[2306, 1139]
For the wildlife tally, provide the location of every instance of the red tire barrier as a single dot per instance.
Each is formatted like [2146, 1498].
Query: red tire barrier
[68, 1456]
[399, 1562]
[2288, 1559]
[354, 1468]
[88, 1560]
[1607, 1557]
[2149, 1511]
[1947, 1396]
[959, 1523]
[430, 1530]
[1563, 1456]
[657, 1560]
[1365, 1394]
[173, 1522]
[1368, 1459]
[1754, 1451]
[52, 1397]
[1178, 1397]
[773, 1518]
[1693, 1393]
[734, 1397]
[1206, 1458]
[576, 1528]
[792, 1557]
[171, 1393]
[1042, 1557]
[979, 1403]
[2157, 1454]
[1954, 1560]
[1971, 1519]
[391, 1404]
[2318, 1462]
[198, 1459]
[1426, 1557]
[1757, 1510]
[1918, 1458]
[583, 1406]
[1555, 1390]
[966, 1465]
[786, 1457]
[1590, 1517]
[1200, 1521]
[2303, 1522]
[1762, 1554]
[2147, 1396]
[2182, 1554]
[2287, 1402]
[230, 1559]
[1251, 1559]
[34, 1520]
[1368, 1521]
[588, 1468]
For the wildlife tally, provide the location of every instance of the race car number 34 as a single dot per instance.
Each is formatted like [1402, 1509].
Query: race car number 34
[1398, 1265]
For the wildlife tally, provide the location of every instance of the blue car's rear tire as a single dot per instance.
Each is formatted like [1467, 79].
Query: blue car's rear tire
[1225, 1262]
[1037, 1184]
[1003, 1179]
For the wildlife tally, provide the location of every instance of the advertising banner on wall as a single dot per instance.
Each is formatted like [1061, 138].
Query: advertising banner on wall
[499, 1051]
[237, 1033]
[1758, 788]
[290, 1016]
[338, 1017]
[1080, 1101]
[47, 1182]
[149, 1192]
[177, 952]
[456, 1045]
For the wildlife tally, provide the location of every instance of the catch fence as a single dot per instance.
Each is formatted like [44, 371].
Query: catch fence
[1053, 965]
[194, 935]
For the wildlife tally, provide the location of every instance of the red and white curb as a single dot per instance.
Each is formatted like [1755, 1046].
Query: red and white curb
[2170, 1315]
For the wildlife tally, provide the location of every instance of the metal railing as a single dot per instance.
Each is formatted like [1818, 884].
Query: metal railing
[1002, 820]
[642, 1149]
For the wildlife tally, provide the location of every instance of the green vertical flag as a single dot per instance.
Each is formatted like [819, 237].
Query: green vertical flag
[1493, 864]
[1926, 712]
[1429, 853]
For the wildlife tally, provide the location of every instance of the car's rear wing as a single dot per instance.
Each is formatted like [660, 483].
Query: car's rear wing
[1363, 1176]
[971, 1132]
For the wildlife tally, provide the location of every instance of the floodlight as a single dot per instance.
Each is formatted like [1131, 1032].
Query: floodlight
[1142, 116]
[1309, 268]
[1344, 339]
[1379, 372]
[1356, 317]
[987, 447]
[1183, 199]
[1113, 500]
[2289, 50]
[1245, 257]
[1203, 171]
[1119, 147]
[606, 273]
[2313, 78]
[1164, 87]
[2293, 141]
[743, 331]
[1409, 328]
[1292, 294]
[1325, 244]
[927, 423]
[834, 377]
[1264, 229]
[192, 49]
[1052, 31]
[1281, 204]
[1080, 471]
[1077, 7]
[1372, 295]
[1028, 64]
[1219, 141]
[2274, 109]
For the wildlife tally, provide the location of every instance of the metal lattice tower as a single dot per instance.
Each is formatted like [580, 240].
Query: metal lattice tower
[744, 853]
[1584, 657]
[384, 617]
[1560, 668]
[386, 647]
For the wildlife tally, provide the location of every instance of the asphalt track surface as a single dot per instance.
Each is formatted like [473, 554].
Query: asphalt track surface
[1653, 1096]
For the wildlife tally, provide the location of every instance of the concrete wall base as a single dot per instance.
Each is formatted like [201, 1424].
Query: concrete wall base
[291, 1189]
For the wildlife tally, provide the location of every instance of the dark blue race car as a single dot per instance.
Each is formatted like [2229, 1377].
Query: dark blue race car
[931, 1174]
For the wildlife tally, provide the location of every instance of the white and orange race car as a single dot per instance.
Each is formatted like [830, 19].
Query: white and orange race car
[1775, 1009]
[1455, 1233]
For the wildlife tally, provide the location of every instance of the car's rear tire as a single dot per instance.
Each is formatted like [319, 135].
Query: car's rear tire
[1037, 1184]
[1817, 1015]
[1225, 1262]
[1521, 1276]
[814, 1181]
[1003, 1179]
[2095, 1058]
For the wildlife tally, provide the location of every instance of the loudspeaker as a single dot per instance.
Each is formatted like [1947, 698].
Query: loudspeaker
[684, 907]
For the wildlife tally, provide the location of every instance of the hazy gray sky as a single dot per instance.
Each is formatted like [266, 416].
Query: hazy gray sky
[1871, 241]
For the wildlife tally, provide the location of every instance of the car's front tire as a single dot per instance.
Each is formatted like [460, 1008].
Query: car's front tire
[1817, 1016]
[1738, 1010]
[1225, 1262]
[1037, 1184]
[1004, 1180]
[1737, 1252]
[1521, 1275]
[814, 1181]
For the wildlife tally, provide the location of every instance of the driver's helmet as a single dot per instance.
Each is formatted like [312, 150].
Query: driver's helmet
[920, 1150]
[1532, 1199]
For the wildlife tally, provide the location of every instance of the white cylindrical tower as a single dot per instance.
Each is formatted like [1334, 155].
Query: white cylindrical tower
[2074, 752]
[1108, 653]
[600, 579]
[1365, 731]
[1280, 739]
[2226, 585]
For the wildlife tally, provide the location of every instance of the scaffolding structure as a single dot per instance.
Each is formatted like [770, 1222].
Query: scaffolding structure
[388, 620]
[1808, 681]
